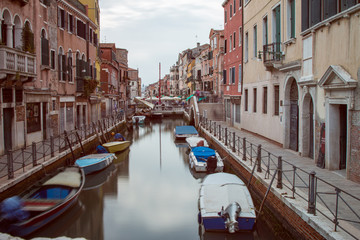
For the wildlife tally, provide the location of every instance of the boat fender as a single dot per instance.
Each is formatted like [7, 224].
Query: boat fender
[12, 209]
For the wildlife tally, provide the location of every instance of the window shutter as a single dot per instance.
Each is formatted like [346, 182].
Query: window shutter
[59, 67]
[304, 15]
[63, 58]
[224, 76]
[59, 17]
[330, 8]
[315, 12]
[66, 20]
[44, 52]
[69, 67]
[78, 67]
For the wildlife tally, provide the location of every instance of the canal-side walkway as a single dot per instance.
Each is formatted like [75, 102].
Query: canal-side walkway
[334, 196]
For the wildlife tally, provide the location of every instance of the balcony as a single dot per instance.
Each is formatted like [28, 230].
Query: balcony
[14, 62]
[272, 54]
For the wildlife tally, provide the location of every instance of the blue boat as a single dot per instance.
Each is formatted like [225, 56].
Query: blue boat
[182, 132]
[205, 159]
[95, 162]
[225, 204]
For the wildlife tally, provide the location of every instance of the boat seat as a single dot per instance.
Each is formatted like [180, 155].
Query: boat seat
[39, 205]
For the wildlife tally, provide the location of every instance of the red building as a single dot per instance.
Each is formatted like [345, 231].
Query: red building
[232, 73]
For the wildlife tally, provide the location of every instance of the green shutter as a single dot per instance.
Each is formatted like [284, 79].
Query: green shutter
[292, 19]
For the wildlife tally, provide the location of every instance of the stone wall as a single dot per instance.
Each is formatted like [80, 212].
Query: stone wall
[214, 111]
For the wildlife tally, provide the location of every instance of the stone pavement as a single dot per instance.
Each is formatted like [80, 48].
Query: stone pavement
[333, 180]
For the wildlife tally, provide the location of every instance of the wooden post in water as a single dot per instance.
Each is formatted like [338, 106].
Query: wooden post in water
[68, 142]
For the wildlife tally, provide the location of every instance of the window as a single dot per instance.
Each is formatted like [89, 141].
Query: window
[230, 43]
[61, 18]
[265, 93]
[315, 11]
[231, 11]
[290, 19]
[265, 31]
[81, 29]
[277, 30]
[246, 57]
[237, 113]
[228, 108]
[234, 42]
[52, 59]
[71, 23]
[276, 100]
[240, 36]
[61, 65]
[255, 41]
[224, 76]
[234, 7]
[225, 16]
[255, 99]
[225, 48]
[33, 117]
[44, 49]
[246, 100]
[240, 3]
[233, 75]
[70, 69]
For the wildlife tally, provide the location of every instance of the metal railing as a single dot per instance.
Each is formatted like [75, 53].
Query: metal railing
[343, 208]
[39, 152]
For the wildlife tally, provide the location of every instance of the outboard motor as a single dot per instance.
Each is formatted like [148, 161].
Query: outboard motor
[211, 164]
[230, 215]
[11, 212]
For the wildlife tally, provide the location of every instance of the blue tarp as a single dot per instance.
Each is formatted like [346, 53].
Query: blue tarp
[185, 130]
[202, 153]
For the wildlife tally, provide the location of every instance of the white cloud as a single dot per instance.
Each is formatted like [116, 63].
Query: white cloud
[157, 30]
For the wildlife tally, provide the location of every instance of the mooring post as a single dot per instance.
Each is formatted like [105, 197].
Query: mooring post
[33, 148]
[226, 137]
[81, 145]
[210, 126]
[214, 129]
[234, 142]
[312, 192]
[258, 159]
[52, 146]
[10, 163]
[68, 142]
[219, 132]
[279, 177]
[244, 149]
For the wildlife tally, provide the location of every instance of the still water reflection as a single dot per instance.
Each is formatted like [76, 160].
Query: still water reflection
[148, 193]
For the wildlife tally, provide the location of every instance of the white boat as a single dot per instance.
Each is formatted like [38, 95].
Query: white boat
[225, 204]
[196, 142]
[95, 162]
[138, 119]
[205, 159]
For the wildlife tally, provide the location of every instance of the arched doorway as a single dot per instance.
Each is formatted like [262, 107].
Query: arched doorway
[308, 126]
[294, 116]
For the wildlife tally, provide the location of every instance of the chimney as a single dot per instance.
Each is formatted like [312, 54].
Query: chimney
[198, 45]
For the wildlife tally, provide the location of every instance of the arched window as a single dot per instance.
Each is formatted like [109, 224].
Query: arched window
[6, 35]
[28, 38]
[44, 49]
[17, 29]
[61, 65]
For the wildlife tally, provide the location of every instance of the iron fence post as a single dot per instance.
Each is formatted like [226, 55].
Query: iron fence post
[226, 137]
[52, 146]
[312, 192]
[234, 142]
[244, 149]
[10, 162]
[215, 129]
[337, 190]
[219, 132]
[258, 159]
[210, 126]
[33, 147]
[279, 177]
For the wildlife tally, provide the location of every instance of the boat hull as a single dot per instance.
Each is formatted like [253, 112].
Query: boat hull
[218, 224]
[201, 166]
[92, 163]
[116, 146]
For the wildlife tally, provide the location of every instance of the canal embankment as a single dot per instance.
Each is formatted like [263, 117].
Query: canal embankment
[26, 166]
[299, 200]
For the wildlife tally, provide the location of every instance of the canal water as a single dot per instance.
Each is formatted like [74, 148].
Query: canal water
[147, 193]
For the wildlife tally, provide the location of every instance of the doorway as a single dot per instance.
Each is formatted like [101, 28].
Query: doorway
[294, 117]
[343, 136]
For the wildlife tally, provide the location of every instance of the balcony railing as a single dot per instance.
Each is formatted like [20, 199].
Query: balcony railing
[14, 61]
[272, 52]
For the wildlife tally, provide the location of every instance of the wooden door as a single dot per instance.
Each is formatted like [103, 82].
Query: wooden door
[294, 125]
[311, 134]
[343, 136]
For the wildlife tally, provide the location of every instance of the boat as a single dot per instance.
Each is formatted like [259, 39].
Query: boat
[205, 159]
[42, 203]
[138, 119]
[225, 204]
[182, 132]
[95, 162]
[97, 179]
[196, 142]
[116, 146]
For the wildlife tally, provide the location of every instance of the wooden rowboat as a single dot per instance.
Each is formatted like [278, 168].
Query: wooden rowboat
[116, 146]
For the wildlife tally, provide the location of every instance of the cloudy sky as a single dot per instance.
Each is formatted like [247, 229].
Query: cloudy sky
[156, 31]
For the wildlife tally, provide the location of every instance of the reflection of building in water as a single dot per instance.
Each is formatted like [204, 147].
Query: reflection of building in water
[123, 166]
